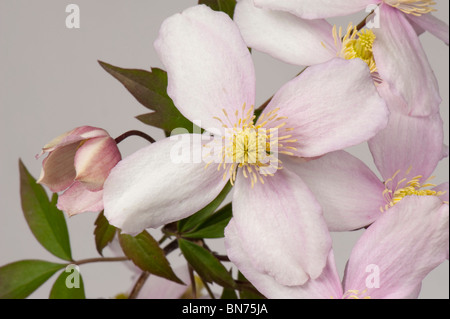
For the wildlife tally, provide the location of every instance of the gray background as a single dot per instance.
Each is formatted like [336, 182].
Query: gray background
[50, 82]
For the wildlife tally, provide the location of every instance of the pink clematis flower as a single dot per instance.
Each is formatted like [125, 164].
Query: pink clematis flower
[212, 80]
[389, 261]
[79, 162]
[406, 154]
[393, 51]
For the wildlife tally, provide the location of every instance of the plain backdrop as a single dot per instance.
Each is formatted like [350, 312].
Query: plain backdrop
[50, 82]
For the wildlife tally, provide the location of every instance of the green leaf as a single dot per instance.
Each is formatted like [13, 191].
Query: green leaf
[246, 289]
[69, 285]
[104, 232]
[214, 226]
[192, 222]
[19, 279]
[226, 6]
[46, 222]
[229, 293]
[150, 89]
[205, 264]
[145, 253]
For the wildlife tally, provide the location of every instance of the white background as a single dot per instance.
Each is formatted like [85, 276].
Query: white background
[50, 82]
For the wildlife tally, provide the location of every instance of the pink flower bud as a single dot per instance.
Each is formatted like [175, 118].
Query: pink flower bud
[79, 161]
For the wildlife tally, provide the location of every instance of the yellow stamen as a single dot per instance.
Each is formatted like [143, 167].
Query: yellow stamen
[402, 189]
[355, 294]
[414, 7]
[358, 44]
[250, 146]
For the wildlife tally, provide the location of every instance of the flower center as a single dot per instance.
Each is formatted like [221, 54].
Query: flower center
[356, 44]
[414, 7]
[404, 188]
[252, 146]
[355, 294]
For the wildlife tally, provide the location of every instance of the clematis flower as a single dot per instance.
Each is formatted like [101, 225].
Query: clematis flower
[78, 162]
[393, 51]
[406, 154]
[389, 261]
[211, 80]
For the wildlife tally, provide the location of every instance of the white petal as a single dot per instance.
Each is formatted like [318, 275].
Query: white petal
[281, 227]
[326, 286]
[317, 9]
[349, 192]
[330, 106]
[285, 36]
[208, 64]
[152, 187]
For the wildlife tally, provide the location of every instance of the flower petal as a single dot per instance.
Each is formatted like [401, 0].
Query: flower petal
[442, 188]
[402, 62]
[75, 135]
[285, 36]
[58, 171]
[94, 160]
[326, 286]
[316, 9]
[329, 106]
[348, 191]
[407, 142]
[431, 24]
[281, 227]
[78, 199]
[158, 185]
[402, 247]
[208, 64]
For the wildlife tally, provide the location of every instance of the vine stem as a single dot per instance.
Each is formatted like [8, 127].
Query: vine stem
[100, 259]
[138, 285]
[360, 25]
[134, 133]
[144, 275]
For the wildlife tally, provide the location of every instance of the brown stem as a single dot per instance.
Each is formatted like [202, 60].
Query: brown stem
[135, 133]
[100, 259]
[363, 23]
[193, 284]
[208, 289]
[138, 285]
[144, 275]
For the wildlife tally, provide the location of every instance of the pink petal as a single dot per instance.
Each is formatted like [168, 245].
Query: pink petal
[431, 24]
[326, 286]
[281, 227]
[330, 106]
[76, 135]
[208, 64]
[405, 244]
[348, 191]
[317, 9]
[58, 170]
[77, 199]
[285, 36]
[158, 185]
[94, 160]
[407, 142]
[402, 62]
